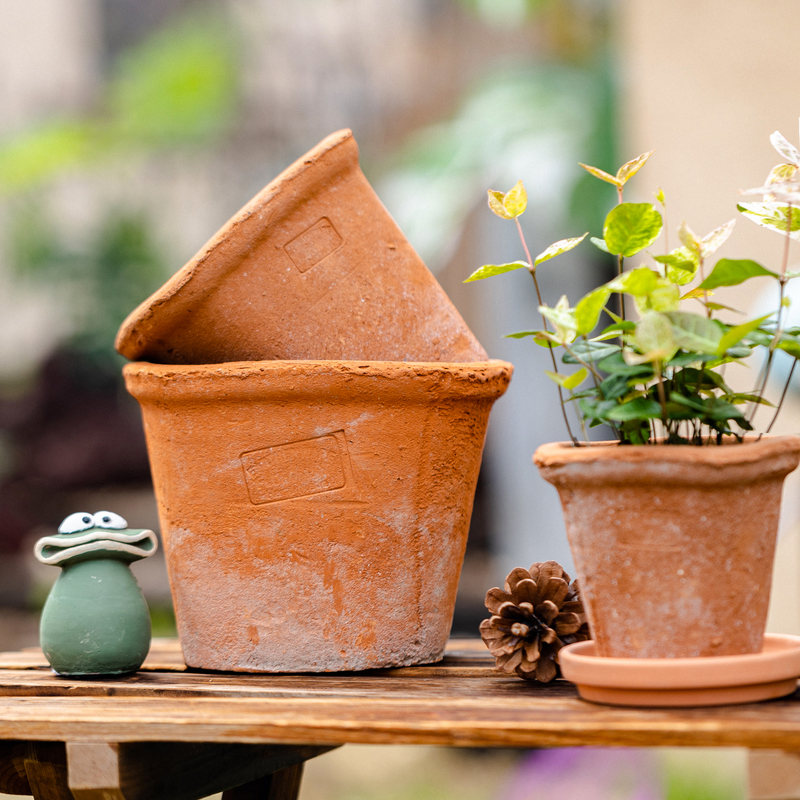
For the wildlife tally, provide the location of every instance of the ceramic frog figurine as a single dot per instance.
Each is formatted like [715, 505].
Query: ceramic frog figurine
[95, 620]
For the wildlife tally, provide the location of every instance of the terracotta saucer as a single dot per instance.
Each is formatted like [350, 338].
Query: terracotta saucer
[712, 681]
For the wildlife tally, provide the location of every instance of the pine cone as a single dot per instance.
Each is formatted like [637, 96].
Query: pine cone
[537, 614]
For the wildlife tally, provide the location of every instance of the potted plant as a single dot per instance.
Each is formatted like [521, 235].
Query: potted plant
[672, 525]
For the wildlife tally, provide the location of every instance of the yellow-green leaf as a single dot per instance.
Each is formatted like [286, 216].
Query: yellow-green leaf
[489, 270]
[576, 379]
[598, 173]
[639, 281]
[589, 308]
[557, 248]
[774, 216]
[697, 294]
[496, 204]
[516, 200]
[654, 337]
[631, 227]
[660, 196]
[628, 170]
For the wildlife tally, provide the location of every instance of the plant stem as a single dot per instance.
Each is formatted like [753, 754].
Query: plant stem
[783, 395]
[532, 271]
[777, 337]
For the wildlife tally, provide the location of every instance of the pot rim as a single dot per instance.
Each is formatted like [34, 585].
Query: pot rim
[754, 448]
[608, 463]
[360, 380]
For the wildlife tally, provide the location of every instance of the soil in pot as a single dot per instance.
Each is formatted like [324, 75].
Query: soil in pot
[673, 545]
[315, 514]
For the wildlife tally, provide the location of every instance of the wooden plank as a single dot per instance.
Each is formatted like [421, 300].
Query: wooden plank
[282, 785]
[166, 655]
[174, 770]
[519, 720]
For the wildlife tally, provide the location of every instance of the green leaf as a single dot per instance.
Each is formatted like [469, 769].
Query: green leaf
[722, 410]
[557, 248]
[615, 386]
[774, 216]
[731, 272]
[659, 193]
[563, 318]
[685, 359]
[737, 333]
[522, 334]
[622, 326]
[598, 173]
[629, 169]
[695, 332]
[516, 200]
[590, 352]
[589, 308]
[599, 243]
[489, 270]
[665, 296]
[631, 227]
[615, 363]
[638, 408]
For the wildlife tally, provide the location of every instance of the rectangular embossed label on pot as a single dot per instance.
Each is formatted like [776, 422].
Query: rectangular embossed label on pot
[313, 244]
[296, 469]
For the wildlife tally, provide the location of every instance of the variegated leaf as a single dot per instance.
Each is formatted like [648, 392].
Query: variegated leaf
[557, 248]
[496, 204]
[690, 239]
[598, 173]
[711, 242]
[629, 169]
[785, 148]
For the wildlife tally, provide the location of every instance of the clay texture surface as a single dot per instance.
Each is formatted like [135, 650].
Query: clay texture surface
[315, 514]
[313, 267]
[673, 545]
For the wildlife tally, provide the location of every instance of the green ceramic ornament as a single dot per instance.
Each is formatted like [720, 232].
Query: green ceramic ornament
[95, 620]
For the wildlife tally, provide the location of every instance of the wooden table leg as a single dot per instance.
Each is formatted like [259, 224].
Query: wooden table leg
[46, 768]
[281, 785]
[774, 775]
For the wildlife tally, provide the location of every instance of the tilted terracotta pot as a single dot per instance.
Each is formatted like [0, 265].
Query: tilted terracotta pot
[315, 514]
[673, 545]
[313, 267]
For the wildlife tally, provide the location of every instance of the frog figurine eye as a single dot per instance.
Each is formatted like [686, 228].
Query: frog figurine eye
[110, 521]
[79, 521]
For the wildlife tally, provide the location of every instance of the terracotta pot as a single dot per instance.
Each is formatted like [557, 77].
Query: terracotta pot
[312, 267]
[673, 545]
[315, 514]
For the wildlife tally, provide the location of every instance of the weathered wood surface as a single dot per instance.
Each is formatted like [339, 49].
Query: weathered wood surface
[462, 701]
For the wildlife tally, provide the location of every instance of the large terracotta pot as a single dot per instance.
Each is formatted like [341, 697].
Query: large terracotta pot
[312, 267]
[315, 513]
[673, 545]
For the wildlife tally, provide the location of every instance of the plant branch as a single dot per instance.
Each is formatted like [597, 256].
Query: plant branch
[783, 396]
[532, 271]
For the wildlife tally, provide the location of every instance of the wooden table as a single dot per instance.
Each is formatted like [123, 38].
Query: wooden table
[167, 732]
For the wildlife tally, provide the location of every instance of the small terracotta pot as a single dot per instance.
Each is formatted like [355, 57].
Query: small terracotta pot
[313, 267]
[673, 545]
[315, 514]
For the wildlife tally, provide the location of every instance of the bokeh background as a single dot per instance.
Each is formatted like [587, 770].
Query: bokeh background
[131, 130]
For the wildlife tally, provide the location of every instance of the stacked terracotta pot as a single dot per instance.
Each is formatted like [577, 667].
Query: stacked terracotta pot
[315, 411]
